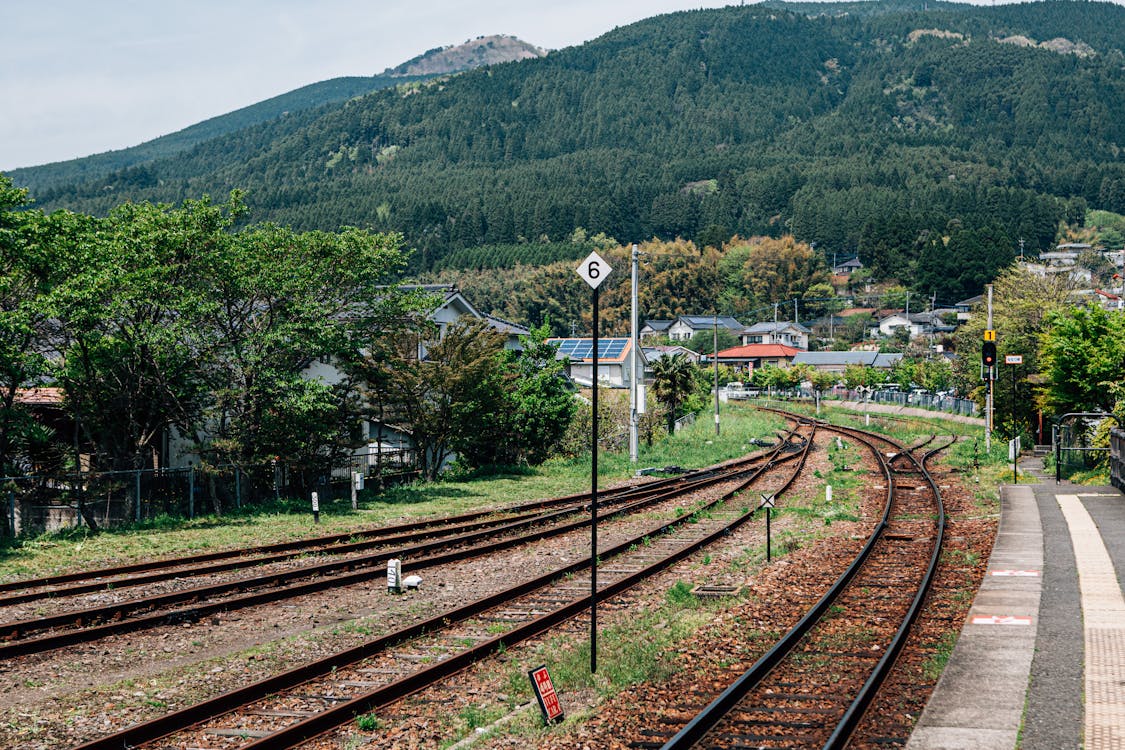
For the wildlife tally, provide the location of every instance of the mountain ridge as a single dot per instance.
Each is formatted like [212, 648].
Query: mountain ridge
[484, 50]
[850, 130]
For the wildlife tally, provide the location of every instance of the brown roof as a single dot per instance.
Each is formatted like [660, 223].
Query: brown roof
[754, 351]
[39, 396]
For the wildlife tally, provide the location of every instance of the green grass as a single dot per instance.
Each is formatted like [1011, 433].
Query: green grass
[290, 519]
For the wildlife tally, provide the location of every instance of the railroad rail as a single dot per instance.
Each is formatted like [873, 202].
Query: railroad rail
[813, 686]
[290, 708]
[48, 632]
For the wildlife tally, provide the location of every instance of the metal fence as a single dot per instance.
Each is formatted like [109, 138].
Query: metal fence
[114, 498]
[932, 401]
[1117, 458]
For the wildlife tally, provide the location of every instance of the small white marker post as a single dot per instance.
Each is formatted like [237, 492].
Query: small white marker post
[394, 576]
[316, 507]
[357, 485]
[767, 503]
[593, 271]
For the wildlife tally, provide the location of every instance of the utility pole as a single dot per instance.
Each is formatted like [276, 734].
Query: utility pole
[715, 358]
[636, 399]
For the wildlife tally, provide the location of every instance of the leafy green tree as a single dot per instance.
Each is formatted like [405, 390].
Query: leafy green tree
[272, 303]
[452, 398]
[703, 342]
[25, 322]
[131, 360]
[1022, 304]
[1082, 353]
[544, 405]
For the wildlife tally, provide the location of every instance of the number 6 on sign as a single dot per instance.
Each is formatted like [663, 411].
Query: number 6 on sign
[593, 270]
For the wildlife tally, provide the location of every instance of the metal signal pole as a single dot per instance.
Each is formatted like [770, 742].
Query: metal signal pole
[988, 398]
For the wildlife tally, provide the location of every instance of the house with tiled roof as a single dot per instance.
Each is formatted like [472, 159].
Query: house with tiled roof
[748, 357]
[687, 326]
[777, 332]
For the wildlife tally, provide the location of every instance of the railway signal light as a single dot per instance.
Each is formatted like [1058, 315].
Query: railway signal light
[988, 353]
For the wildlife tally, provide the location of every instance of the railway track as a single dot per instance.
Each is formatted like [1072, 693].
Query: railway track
[424, 548]
[288, 709]
[811, 689]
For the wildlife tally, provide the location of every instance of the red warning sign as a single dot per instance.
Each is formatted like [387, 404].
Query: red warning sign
[545, 693]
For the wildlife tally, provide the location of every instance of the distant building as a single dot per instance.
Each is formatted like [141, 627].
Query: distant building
[748, 357]
[781, 332]
[687, 326]
[839, 361]
[653, 328]
[847, 268]
[653, 353]
[614, 360]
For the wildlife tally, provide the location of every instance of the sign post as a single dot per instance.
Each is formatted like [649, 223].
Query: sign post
[545, 694]
[767, 503]
[316, 507]
[1013, 360]
[593, 271]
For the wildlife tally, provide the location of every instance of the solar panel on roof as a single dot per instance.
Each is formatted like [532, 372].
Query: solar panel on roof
[583, 348]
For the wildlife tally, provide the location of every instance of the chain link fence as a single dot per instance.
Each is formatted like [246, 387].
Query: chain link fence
[35, 504]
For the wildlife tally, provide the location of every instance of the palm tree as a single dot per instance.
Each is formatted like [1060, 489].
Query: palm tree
[673, 382]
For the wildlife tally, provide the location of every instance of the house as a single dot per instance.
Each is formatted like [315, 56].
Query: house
[513, 331]
[965, 307]
[614, 360]
[932, 322]
[778, 332]
[895, 321]
[653, 328]
[847, 268]
[687, 326]
[745, 358]
[839, 361]
[653, 353]
[829, 326]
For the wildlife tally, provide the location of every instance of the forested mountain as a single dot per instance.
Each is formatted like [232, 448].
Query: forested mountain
[927, 137]
[314, 98]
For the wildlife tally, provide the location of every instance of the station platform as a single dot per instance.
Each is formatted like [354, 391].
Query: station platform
[1040, 661]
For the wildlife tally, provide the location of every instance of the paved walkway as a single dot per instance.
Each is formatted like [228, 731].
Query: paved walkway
[1040, 662]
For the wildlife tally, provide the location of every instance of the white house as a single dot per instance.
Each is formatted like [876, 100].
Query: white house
[615, 360]
[780, 332]
[895, 321]
[687, 326]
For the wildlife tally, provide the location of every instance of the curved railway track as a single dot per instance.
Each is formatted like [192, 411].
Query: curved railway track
[812, 688]
[425, 548]
[290, 708]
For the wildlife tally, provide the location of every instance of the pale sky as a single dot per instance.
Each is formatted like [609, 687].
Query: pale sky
[79, 77]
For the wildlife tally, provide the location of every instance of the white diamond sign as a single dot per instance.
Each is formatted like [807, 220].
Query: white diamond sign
[593, 270]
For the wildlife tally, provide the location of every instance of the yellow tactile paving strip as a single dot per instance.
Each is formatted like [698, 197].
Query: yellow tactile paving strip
[1103, 612]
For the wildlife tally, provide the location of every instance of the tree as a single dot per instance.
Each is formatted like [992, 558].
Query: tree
[271, 303]
[543, 403]
[1022, 304]
[452, 398]
[673, 383]
[703, 342]
[25, 321]
[1082, 353]
[132, 355]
